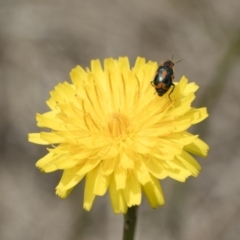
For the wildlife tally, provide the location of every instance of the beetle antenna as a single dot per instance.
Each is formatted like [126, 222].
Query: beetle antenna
[178, 61]
[172, 57]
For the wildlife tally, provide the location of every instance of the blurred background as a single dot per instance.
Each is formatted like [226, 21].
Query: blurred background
[41, 41]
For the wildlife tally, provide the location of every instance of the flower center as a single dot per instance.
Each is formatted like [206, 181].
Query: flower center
[118, 125]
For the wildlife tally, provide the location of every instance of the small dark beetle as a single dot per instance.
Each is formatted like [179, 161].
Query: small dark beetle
[163, 79]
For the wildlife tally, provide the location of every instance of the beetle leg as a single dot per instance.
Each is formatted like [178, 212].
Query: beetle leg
[171, 91]
[152, 84]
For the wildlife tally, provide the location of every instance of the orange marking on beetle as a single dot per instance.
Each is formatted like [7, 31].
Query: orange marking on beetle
[161, 85]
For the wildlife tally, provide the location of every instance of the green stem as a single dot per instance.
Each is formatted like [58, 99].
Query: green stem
[130, 219]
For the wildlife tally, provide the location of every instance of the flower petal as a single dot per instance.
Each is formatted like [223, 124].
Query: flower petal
[118, 201]
[132, 192]
[102, 182]
[120, 176]
[36, 138]
[198, 147]
[89, 195]
[153, 192]
[191, 164]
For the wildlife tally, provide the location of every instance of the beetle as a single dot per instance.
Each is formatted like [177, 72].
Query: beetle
[163, 79]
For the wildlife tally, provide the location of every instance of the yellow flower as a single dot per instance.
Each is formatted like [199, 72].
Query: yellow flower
[110, 128]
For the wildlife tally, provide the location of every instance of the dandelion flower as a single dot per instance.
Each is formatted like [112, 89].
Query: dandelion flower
[109, 127]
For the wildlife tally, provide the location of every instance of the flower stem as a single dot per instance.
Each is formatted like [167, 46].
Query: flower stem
[130, 219]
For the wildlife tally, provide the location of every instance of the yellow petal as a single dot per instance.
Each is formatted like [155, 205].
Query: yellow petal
[58, 162]
[182, 84]
[143, 145]
[176, 94]
[180, 173]
[191, 164]
[49, 122]
[155, 167]
[124, 65]
[36, 138]
[153, 192]
[190, 88]
[63, 194]
[108, 166]
[118, 201]
[96, 68]
[197, 114]
[78, 76]
[181, 124]
[198, 147]
[45, 160]
[141, 172]
[89, 196]
[51, 137]
[175, 171]
[126, 162]
[181, 106]
[69, 179]
[133, 191]
[183, 138]
[165, 146]
[88, 166]
[120, 176]
[102, 182]
[139, 65]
